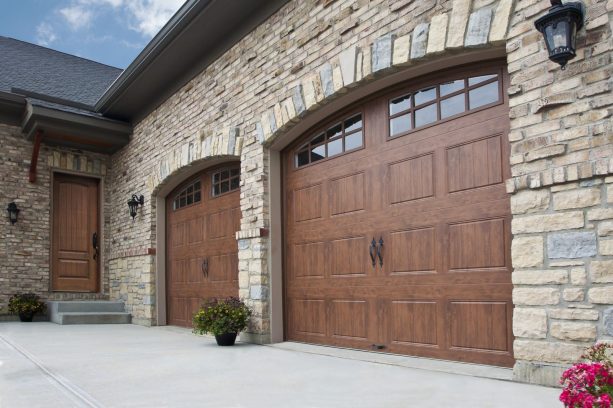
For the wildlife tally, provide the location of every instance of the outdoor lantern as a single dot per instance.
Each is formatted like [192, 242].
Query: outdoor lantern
[13, 212]
[133, 203]
[559, 27]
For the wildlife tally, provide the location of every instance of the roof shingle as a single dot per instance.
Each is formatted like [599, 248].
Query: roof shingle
[45, 71]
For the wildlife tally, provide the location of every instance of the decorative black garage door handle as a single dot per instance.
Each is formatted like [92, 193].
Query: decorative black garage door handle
[380, 251]
[372, 249]
[205, 267]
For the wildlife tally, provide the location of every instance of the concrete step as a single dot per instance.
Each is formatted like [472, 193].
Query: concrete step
[85, 306]
[93, 318]
[88, 312]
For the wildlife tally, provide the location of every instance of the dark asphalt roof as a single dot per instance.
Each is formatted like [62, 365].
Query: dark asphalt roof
[48, 72]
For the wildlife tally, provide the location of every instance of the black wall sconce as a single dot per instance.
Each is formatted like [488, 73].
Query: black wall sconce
[559, 27]
[133, 204]
[13, 212]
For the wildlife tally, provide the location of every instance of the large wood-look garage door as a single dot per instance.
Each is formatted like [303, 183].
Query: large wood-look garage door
[203, 216]
[397, 223]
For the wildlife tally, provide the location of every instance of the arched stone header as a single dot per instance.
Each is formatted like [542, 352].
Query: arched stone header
[227, 143]
[460, 28]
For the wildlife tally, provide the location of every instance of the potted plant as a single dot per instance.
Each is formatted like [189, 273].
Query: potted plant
[224, 318]
[26, 305]
[589, 382]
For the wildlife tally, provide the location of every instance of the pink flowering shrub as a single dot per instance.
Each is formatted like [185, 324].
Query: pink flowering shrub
[589, 384]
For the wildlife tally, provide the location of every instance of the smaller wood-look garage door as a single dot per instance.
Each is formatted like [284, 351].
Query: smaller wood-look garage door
[397, 223]
[203, 216]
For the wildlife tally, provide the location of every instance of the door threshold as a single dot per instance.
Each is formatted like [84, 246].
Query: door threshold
[420, 363]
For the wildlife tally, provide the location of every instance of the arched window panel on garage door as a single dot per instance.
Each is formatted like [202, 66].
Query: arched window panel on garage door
[225, 180]
[426, 106]
[189, 195]
[343, 136]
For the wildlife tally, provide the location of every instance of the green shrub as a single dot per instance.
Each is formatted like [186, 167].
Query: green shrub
[26, 303]
[219, 316]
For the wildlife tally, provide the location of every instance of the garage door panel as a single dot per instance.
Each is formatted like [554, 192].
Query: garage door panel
[308, 203]
[478, 244]
[308, 259]
[414, 322]
[350, 318]
[474, 164]
[178, 235]
[412, 251]
[221, 224]
[222, 267]
[348, 257]
[347, 194]
[310, 316]
[411, 179]
[196, 228]
[479, 325]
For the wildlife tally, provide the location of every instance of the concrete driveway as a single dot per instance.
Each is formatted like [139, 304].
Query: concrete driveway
[47, 365]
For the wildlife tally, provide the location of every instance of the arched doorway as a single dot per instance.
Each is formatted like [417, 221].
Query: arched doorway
[202, 217]
[397, 222]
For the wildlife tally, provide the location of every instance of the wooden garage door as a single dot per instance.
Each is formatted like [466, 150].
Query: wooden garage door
[203, 216]
[397, 223]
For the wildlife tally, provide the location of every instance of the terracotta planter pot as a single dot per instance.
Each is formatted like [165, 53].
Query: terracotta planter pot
[226, 339]
[26, 316]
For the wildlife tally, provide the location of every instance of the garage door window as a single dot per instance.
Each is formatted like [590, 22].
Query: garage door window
[342, 137]
[435, 103]
[189, 195]
[225, 180]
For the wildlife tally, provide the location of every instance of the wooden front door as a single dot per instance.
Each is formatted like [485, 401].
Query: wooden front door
[76, 228]
[203, 216]
[397, 228]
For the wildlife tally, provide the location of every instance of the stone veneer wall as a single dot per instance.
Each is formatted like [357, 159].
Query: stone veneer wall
[562, 152]
[311, 52]
[25, 246]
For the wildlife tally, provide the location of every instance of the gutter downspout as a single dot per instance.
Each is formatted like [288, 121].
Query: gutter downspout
[38, 138]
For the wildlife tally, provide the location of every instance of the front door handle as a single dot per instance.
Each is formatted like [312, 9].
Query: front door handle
[371, 250]
[95, 245]
[205, 267]
[380, 251]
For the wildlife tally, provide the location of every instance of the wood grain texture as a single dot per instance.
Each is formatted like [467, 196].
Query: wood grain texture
[437, 199]
[201, 233]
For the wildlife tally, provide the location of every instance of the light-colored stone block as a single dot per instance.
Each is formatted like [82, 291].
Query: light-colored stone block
[501, 21]
[601, 295]
[580, 198]
[573, 331]
[528, 201]
[573, 314]
[573, 294]
[536, 296]
[547, 222]
[540, 277]
[347, 63]
[605, 228]
[601, 271]
[605, 247]
[552, 352]
[402, 49]
[529, 322]
[438, 32]
[527, 252]
[457, 23]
